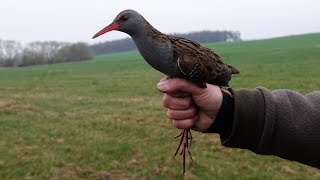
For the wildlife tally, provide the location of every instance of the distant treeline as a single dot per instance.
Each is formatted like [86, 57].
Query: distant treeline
[12, 53]
[200, 37]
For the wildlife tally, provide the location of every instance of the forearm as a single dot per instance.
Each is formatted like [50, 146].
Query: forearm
[281, 123]
[292, 126]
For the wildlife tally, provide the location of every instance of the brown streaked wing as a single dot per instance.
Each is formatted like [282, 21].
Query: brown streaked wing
[199, 64]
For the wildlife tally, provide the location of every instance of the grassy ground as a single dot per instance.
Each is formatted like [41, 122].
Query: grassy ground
[104, 118]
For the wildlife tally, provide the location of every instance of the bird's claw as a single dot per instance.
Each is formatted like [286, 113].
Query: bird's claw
[185, 140]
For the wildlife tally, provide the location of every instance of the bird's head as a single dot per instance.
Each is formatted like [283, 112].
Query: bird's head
[127, 21]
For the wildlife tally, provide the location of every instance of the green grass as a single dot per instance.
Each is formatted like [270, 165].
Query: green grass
[104, 118]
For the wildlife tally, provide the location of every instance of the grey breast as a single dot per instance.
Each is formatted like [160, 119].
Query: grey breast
[158, 54]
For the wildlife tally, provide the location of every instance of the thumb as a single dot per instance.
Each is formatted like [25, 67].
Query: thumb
[176, 85]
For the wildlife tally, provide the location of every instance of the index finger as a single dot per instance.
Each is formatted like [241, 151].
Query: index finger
[179, 94]
[174, 85]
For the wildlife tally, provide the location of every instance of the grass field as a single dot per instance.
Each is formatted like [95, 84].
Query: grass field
[104, 118]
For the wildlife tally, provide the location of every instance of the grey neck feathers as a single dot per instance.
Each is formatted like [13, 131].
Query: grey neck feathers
[156, 53]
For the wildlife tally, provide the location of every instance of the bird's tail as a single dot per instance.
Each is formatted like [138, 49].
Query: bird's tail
[233, 69]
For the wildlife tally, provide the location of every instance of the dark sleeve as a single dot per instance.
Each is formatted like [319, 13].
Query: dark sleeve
[282, 123]
[224, 121]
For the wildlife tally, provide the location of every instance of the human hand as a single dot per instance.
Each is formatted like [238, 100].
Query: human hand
[189, 106]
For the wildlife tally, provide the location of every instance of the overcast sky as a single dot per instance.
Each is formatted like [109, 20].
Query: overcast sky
[78, 20]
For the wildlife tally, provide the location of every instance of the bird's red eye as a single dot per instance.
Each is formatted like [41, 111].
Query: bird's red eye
[124, 17]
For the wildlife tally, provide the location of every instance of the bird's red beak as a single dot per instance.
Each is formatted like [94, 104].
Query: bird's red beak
[111, 27]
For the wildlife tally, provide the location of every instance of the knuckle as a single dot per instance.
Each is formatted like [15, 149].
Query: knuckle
[170, 114]
[183, 124]
[187, 102]
[165, 101]
[189, 124]
[181, 83]
[193, 111]
[178, 124]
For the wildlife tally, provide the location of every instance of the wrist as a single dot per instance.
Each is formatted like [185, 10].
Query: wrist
[223, 122]
[209, 103]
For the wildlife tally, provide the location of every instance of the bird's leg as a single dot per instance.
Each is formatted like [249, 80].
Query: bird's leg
[183, 150]
[184, 163]
[190, 137]
[185, 141]
[185, 147]
[181, 140]
[189, 148]
[179, 134]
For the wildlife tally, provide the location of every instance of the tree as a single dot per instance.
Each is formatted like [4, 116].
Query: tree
[41, 52]
[33, 54]
[75, 52]
[200, 37]
[50, 50]
[113, 46]
[10, 52]
[47, 52]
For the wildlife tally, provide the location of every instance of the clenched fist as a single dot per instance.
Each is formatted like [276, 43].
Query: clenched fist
[189, 106]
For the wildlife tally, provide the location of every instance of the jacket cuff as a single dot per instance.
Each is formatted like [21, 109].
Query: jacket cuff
[224, 120]
[249, 110]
